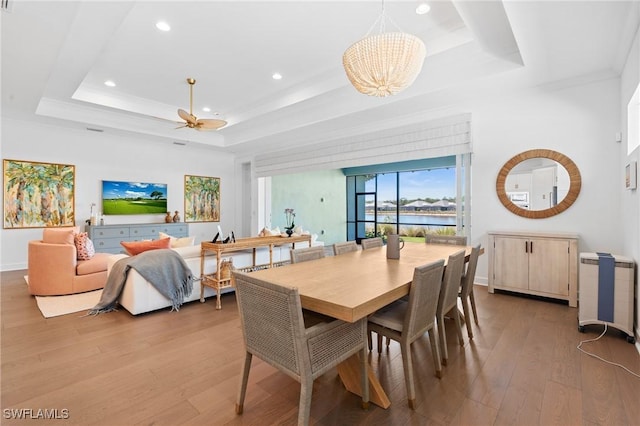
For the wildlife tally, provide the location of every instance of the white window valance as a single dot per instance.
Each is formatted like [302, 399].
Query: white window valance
[428, 139]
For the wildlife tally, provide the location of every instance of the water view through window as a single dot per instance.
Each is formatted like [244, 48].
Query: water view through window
[409, 203]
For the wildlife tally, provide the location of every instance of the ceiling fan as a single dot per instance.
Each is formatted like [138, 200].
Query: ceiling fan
[192, 121]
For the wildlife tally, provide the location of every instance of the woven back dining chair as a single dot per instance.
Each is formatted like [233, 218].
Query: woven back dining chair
[466, 290]
[457, 240]
[368, 243]
[407, 321]
[344, 247]
[274, 331]
[307, 253]
[448, 300]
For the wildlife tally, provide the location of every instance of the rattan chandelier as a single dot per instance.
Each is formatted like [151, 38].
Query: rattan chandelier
[385, 63]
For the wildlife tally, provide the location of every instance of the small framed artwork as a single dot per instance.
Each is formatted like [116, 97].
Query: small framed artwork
[201, 199]
[38, 195]
[631, 175]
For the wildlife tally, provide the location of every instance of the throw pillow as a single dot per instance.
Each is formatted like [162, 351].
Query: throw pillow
[84, 246]
[136, 247]
[59, 235]
[178, 242]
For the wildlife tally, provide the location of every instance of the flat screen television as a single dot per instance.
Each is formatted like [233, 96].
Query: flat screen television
[119, 198]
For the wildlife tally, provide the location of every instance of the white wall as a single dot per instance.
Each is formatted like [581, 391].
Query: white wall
[580, 122]
[630, 200]
[103, 156]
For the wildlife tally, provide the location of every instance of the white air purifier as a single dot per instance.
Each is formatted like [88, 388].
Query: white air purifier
[606, 292]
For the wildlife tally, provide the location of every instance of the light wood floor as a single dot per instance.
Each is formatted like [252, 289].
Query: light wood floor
[182, 368]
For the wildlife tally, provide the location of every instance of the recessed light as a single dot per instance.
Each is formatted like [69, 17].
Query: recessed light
[277, 76]
[423, 8]
[163, 26]
[206, 109]
[110, 83]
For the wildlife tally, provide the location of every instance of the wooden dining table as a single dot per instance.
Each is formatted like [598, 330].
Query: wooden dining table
[352, 286]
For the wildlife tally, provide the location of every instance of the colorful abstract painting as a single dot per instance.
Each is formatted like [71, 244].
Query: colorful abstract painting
[38, 195]
[201, 199]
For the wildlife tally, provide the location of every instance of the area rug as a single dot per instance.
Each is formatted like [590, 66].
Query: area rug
[53, 306]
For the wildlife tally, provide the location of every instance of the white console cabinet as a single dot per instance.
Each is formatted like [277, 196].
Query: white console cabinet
[541, 264]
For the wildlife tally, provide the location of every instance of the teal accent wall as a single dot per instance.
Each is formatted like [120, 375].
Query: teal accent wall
[304, 193]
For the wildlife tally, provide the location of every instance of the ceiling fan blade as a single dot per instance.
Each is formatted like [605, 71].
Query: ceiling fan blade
[192, 121]
[187, 117]
[210, 124]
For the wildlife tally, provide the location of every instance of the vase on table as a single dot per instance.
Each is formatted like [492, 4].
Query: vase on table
[290, 215]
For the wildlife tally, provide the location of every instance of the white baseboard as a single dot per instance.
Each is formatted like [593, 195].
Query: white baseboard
[481, 281]
[13, 267]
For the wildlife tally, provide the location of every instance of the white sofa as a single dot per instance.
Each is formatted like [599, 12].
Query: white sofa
[139, 296]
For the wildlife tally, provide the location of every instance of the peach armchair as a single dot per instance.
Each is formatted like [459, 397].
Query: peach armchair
[54, 268]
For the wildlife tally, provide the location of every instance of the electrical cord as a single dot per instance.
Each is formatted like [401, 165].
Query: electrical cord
[579, 347]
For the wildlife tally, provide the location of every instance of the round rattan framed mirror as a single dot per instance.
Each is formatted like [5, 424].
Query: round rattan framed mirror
[515, 201]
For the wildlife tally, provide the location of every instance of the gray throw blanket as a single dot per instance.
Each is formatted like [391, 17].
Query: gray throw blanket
[165, 269]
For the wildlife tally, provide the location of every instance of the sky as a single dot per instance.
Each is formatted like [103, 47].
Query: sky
[436, 183]
[112, 189]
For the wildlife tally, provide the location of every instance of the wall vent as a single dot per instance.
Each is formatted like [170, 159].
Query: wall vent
[179, 143]
[93, 129]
